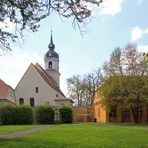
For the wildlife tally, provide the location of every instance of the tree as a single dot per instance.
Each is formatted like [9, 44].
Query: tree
[146, 57]
[126, 92]
[75, 89]
[125, 79]
[114, 66]
[126, 61]
[82, 89]
[146, 61]
[26, 15]
[90, 83]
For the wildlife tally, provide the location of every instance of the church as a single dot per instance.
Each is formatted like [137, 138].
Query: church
[39, 86]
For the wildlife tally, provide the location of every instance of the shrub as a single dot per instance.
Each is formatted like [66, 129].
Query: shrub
[7, 112]
[23, 115]
[44, 114]
[10, 114]
[66, 114]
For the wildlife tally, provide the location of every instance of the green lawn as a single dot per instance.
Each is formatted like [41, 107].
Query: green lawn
[87, 135]
[11, 128]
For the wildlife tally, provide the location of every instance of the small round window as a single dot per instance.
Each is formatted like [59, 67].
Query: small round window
[57, 95]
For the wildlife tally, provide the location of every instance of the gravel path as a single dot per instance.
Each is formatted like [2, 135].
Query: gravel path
[22, 133]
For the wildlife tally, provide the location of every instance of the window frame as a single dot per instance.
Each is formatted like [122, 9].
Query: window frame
[32, 102]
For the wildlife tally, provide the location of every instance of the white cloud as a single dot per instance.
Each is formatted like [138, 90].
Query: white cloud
[14, 65]
[137, 33]
[111, 7]
[146, 30]
[142, 48]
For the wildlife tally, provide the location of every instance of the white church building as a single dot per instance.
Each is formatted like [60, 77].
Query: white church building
[39, 86]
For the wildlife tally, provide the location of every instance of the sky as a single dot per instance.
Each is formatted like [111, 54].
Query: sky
[114, 23]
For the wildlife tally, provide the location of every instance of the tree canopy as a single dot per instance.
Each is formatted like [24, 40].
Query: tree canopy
[126, 61]
[126, 92]
[125, 80]
[26, 15]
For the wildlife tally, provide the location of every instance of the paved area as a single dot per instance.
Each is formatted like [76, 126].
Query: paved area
[22, 133]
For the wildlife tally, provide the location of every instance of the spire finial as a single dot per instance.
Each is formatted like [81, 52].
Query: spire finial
[51, 46]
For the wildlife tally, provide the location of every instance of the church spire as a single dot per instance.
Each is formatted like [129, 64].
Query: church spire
[51, 46]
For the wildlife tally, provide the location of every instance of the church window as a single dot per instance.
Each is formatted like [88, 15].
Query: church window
[57, 95]
[50, 65]
[21, 101]
[31, 101]
[36, 89]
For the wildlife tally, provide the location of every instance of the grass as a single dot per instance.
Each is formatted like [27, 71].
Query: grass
[11, 128]
[87, 135]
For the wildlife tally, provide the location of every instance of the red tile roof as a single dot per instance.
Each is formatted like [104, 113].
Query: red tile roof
[3, 89]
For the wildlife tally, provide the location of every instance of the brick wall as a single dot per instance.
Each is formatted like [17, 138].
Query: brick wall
[82, 113]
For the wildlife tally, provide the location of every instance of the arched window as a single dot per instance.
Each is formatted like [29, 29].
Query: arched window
[21, 101]
[50, 65]
[31, 101]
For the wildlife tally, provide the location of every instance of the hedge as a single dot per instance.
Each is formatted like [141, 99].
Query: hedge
[24, 115]
[11, 114]
[44, 114]
[66, 114]
[7, 112]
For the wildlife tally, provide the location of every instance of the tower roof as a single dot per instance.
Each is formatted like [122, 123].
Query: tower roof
[51, 46]
[51, 52]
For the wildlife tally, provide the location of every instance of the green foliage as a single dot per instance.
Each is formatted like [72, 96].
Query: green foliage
[125, 92]
[7, 112]
[44, 114]
[11, 114]
[124, 89]
[145, 57]
[66, 114]
[23, 115]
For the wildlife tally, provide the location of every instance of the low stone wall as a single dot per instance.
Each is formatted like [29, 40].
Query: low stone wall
[82, 113]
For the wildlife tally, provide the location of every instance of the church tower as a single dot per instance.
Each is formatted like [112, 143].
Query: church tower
[51, 60]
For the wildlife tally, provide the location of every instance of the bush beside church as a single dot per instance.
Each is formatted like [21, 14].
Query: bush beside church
[43, 114]
[11, 114]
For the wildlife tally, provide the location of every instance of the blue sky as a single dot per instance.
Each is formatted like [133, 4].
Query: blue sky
[114, 23]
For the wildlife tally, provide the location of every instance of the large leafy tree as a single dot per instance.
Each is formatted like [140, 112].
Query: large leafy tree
[126, 92]
[26, 15]
[125, 79]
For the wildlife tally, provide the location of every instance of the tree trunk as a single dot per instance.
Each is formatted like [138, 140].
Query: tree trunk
[135, 115]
